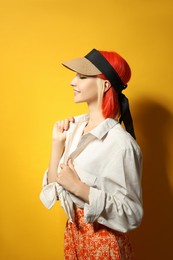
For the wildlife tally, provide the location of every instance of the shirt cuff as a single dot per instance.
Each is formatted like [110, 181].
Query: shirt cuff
[48, 195]
[96, 205]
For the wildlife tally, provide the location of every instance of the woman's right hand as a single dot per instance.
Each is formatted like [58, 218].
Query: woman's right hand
[58, 143]
[60, 128]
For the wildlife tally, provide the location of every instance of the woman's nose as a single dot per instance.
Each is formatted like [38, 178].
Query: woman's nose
[73, 82]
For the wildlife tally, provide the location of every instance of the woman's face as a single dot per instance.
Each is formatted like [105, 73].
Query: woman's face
[85, 89]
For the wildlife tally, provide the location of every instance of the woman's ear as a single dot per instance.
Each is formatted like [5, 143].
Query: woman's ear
[107, 85]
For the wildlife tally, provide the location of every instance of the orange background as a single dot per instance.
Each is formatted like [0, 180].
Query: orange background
[36, 35]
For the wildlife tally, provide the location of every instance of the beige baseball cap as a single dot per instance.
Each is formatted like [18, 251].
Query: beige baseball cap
[82, 66]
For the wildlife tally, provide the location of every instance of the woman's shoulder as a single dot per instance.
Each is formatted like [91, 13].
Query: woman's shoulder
[123, 139]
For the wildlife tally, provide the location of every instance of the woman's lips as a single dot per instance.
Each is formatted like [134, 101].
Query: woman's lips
[75, 90]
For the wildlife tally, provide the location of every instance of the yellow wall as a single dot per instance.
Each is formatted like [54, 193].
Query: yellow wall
[35, 36]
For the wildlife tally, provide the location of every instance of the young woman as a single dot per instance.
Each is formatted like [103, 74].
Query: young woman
[95, 165]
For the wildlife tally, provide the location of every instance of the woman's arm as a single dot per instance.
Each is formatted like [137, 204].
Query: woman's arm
[116, 199]
[58, 145]
[56, 153]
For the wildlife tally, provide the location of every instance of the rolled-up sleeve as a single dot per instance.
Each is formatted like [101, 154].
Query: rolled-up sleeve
[116, 202]
[49, 193]
[52, 192]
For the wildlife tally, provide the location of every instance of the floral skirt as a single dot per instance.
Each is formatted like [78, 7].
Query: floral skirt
[94, 241]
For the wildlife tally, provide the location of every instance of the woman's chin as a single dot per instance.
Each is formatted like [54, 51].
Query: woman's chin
[76, 100]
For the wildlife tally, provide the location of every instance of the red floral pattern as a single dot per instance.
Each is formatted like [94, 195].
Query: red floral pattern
[94, 241]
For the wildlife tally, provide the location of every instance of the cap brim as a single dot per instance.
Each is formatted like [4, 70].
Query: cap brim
[82, 66]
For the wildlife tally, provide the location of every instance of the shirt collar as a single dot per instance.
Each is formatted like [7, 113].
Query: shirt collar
[82, 118]
[103, 128]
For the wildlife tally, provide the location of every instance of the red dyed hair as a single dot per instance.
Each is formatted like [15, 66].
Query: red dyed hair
[110, 103]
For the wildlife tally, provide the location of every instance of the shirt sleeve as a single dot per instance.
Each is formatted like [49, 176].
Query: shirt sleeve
[116, 202]
[53, 191]
[49, 193]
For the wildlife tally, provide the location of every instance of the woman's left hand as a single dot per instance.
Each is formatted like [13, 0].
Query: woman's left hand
[68, 177]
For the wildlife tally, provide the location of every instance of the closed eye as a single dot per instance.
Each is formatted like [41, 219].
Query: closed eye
[82, 76]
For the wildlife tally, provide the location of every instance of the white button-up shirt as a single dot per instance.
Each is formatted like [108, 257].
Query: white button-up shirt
[109, 160]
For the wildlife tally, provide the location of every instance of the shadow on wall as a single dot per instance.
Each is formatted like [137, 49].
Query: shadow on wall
[154, 127]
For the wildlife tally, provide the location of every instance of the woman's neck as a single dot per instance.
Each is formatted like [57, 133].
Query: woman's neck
[95, 118]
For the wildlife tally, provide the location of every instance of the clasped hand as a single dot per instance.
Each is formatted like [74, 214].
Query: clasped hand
[68, 178]
[60, 128]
